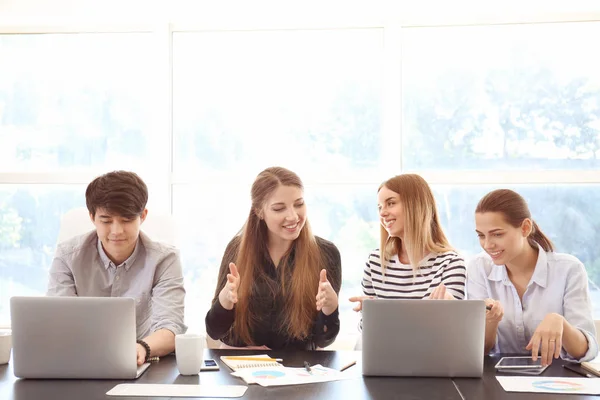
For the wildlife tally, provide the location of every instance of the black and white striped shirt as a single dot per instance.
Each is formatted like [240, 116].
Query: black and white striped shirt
[400, 282]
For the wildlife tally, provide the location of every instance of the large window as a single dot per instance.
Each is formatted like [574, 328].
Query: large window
[501, 97]
[199, 113]
[77, 101]
[309, 100]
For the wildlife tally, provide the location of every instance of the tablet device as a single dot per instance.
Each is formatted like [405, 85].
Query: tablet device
[525, 362]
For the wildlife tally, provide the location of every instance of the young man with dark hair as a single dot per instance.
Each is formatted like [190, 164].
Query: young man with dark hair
[118, 260]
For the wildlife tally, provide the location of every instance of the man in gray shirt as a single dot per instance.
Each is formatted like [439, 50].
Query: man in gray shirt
[118, 260]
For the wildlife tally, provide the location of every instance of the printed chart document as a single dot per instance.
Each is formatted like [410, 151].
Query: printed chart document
[280, 376]
[550, 385]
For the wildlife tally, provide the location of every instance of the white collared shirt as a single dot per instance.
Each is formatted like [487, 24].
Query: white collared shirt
[558, 285]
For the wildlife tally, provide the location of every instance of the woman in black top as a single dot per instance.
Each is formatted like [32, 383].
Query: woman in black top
[278, 284]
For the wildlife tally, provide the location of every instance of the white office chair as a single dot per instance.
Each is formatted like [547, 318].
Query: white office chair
[159, 227]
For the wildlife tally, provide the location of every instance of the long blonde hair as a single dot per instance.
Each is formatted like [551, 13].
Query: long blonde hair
[422, 229]
[299, 293]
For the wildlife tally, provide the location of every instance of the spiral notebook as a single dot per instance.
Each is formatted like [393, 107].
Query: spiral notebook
[255, 361]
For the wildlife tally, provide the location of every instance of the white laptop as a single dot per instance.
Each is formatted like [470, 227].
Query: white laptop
[74, 337]
[443, 338]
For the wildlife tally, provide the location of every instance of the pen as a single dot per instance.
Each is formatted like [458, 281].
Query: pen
[307, 366]
[576, 371]
[345, 367]
[248, 358]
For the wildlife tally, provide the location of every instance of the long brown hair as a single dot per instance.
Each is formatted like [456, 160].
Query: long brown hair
[515, 210]
[422, 229]
[299, 293]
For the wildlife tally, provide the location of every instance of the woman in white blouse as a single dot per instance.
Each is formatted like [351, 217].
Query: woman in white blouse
[539, 299]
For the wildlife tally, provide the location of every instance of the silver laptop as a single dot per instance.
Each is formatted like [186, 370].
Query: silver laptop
[74, 337]
[442, 338]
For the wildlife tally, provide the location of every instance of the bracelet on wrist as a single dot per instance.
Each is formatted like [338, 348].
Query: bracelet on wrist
[146, 347]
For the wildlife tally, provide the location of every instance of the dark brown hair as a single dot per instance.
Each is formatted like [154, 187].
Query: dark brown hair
[515, 210]
[120, 193]
[299, 294]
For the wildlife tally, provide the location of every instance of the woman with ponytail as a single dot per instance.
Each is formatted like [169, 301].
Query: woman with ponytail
[278, 284]
[539, 299]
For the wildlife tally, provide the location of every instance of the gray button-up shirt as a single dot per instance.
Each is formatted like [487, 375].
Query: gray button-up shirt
[151, 275]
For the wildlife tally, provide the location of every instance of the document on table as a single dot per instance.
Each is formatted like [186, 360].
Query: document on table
[549, 384]
[280, 376]
[174, 390]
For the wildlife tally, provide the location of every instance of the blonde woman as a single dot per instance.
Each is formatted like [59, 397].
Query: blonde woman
[414, 260]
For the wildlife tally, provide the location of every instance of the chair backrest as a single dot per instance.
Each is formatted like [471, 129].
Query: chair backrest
[159, 227]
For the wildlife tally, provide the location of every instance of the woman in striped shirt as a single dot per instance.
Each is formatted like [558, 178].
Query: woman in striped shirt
[417, 262]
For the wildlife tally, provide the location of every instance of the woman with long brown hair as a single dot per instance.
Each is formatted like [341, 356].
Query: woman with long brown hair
[414, 259]
[278, 283]
[539, 300]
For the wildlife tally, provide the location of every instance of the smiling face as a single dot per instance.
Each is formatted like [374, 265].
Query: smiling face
[502, 241]
[284, 213]
[391, 212]
[117, 234]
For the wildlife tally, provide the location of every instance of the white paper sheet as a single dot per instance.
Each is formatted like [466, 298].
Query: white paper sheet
[550, 385]
[173, 390]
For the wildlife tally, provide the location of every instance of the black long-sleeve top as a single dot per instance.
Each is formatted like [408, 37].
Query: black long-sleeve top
[268, 304]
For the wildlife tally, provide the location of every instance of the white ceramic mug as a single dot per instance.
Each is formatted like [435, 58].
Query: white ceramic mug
[5, 346]
[189, 351]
